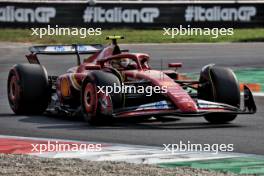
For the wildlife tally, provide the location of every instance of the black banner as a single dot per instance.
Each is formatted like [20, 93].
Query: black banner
[24, 15]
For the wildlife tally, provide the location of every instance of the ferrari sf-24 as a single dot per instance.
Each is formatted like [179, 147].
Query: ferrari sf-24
[31, 90]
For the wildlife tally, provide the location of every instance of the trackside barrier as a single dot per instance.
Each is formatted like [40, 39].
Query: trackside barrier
[139, 14]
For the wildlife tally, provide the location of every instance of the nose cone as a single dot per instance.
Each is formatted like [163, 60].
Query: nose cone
[181, 98]
[188, 107]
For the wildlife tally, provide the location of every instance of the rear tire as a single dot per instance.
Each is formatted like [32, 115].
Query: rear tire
[219, 85]
[28, 89]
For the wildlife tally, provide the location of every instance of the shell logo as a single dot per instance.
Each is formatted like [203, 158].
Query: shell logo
[65, 87]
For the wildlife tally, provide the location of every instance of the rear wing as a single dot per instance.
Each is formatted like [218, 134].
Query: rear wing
[62, 50]
[66, 49]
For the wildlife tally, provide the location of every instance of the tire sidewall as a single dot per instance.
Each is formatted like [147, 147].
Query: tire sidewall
[33, 92]
[219, 85]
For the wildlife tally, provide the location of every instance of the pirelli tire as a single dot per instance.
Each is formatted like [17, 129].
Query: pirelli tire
[28, 89]
[89, 102]
[219, 84]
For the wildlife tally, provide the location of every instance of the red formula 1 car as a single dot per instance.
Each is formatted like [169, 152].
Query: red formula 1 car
[114, 83]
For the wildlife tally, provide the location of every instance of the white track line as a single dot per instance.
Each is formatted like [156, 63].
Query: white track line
[258, 94]
[255, 94]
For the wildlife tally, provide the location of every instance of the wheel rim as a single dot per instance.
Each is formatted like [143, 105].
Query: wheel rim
[13, 90]
[89, 98]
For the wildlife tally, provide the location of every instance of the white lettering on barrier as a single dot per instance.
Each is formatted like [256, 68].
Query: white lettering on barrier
[216, 13]
[119, 15]
[40, 14]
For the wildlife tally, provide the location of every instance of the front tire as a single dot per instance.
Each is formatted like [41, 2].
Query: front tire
[220, 85]
[90, 97]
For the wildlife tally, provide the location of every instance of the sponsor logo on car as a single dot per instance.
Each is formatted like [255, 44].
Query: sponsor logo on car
[156, 105]
[61, 48]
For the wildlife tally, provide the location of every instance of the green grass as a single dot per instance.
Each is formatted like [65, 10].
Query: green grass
[131, 36]
[238, 165]
[245, 76]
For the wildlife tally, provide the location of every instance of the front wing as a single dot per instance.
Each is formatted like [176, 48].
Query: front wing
[204, 107]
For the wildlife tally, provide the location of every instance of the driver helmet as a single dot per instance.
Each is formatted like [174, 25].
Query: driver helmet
[124, 62]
